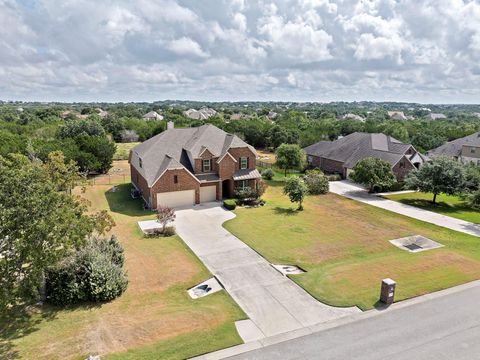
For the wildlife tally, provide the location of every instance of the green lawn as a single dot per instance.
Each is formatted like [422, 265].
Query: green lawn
[343, 245]
[155, 318]
[123, 150]
[448, 205]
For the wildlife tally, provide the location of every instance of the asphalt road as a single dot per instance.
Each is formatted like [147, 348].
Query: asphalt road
[446, 327]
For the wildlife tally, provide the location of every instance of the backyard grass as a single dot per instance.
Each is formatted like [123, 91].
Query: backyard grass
[123, 150]
[155, 318]
[343, 245]
[448, 205]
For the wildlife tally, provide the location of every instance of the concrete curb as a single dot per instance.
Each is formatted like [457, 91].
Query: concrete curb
[254, 345]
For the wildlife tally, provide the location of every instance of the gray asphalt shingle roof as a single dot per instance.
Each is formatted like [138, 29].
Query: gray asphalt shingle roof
[454, 147]
[177, 148]
[357, 146]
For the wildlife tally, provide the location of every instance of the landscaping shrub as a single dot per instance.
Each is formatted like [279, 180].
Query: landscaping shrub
[169, 231]
[376, 174]
[268, 174]
[230, 204]
[249, 195]
[316, 181]
[473, 199]
[94, 273]
[334, 177]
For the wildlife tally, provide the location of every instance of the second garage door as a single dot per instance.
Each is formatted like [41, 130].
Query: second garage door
[176, 198]
[208, 193]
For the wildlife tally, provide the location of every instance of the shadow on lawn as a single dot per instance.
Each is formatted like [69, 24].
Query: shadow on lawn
[428, 205]
[24, 320]
[121, 202]
[285, 211]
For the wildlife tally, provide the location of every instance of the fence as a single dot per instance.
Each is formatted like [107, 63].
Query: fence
[263, 164]
[109, 179]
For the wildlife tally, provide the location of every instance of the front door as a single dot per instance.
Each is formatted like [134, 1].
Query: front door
[226, 192]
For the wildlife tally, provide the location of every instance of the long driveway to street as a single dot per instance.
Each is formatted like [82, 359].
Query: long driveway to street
[273, 302]
[352, 191]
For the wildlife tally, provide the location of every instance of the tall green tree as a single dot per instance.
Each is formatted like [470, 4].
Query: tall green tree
[290, 156]
[441, 175]
[39, 226]
[373, 173]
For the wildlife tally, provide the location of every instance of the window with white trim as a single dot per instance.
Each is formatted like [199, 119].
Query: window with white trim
[243, 163]
[206, 165]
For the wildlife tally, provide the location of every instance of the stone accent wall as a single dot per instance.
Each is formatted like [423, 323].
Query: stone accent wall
[166, 184]
[402, 169]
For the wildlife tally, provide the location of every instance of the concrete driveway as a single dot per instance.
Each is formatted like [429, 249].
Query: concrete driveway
[356, 192]
[274, 303]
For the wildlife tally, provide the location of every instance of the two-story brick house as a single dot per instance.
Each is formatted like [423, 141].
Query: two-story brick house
[181, 167]
[465, 150]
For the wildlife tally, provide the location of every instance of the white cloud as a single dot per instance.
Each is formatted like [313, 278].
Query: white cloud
[186, 46]
[291, 50]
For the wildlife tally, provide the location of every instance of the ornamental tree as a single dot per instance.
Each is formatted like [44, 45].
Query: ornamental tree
[440, 175]
[165, 215]
[296, 189]
[373, 172]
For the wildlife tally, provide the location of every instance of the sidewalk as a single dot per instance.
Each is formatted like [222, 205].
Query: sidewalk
[356, 192]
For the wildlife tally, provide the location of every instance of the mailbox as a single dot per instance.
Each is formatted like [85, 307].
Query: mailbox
[387, 293]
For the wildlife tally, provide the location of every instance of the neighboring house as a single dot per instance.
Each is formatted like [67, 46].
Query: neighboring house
[434, 116]
[102, 113]
[352, 117]
[396, 115]
[202, 114]
[272, 115]
[181, 167]
[152, 115]
[342, 155]
[236, 116]
[128, 136]
[465, 150]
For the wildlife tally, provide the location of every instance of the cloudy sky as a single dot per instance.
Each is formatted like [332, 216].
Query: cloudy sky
[300, 50]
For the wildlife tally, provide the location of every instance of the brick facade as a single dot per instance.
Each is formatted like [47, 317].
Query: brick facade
[186, 181]
[403, 168]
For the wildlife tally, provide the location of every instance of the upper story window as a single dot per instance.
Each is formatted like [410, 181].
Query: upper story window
[175, 179]
[206, 165]
[472, 150]
[243, 163]
[139, 162]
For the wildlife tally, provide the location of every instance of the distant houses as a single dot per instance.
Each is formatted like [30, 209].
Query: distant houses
[202, 114]
[351, 116]
[435, 116]
[272, 115]
[342, 155]
[152, 115]
[396, 115]
[465, 150]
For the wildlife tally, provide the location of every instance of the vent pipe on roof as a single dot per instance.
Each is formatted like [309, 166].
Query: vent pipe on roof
[170, 125]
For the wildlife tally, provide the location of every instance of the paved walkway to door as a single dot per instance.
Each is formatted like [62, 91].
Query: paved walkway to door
[353, 191]
[273, 302]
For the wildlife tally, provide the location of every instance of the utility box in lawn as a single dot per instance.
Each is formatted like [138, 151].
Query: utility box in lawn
[387, 292]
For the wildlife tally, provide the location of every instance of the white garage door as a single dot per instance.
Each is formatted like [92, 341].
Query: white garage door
[208, 193]
[176, 198]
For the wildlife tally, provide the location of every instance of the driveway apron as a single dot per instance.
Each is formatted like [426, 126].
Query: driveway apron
[272, 301]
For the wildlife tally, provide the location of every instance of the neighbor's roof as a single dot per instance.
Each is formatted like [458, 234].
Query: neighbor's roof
[177, 148]
[454, 148]
[357, 146]
[153, 115]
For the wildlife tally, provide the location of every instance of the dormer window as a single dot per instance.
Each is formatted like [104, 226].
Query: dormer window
[243, 163]
[140, 162]
[206, 165]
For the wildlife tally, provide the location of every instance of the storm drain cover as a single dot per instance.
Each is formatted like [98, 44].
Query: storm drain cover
[415, 243]
[413, 247]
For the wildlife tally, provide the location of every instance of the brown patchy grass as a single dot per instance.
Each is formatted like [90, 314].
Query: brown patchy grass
[154, 311]
[343, 245]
